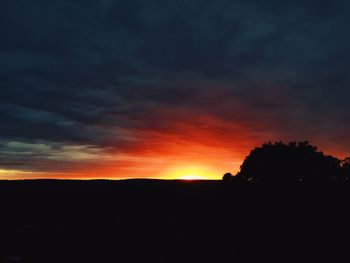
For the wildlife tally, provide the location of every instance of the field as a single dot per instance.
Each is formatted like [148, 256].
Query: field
[172, 221]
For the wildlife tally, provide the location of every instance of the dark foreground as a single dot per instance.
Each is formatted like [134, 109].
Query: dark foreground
[172, 221]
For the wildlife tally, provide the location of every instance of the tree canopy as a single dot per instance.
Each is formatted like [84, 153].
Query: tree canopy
[292, 162]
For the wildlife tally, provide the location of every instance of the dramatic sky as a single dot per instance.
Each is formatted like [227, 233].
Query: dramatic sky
[167, 89]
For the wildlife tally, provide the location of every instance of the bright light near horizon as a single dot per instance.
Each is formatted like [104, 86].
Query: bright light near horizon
[190, 173]
[191, 177]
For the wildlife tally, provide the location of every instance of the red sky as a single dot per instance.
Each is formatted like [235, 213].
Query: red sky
[168, 89]
[197, 147]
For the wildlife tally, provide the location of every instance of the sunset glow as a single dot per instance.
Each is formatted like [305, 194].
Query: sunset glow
[165, 89]
[192, 173]
[206, 156]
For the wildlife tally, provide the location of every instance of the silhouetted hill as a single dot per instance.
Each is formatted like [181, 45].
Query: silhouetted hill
[171, 221]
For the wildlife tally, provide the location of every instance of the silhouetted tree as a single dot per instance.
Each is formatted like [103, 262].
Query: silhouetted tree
[345, 164]
[227, 177]
[293, 162]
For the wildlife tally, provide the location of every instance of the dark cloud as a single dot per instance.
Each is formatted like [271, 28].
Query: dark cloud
[101, 73]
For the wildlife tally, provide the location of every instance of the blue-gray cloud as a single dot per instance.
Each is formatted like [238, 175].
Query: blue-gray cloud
[96, 72]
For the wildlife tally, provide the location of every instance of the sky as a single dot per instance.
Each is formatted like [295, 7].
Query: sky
[167, 89]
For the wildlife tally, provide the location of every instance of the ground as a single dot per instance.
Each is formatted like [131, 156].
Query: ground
[171, 221]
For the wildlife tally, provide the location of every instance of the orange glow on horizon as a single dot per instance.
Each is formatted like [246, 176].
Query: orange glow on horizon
[198, 147]
[191, 173]
[195, 146]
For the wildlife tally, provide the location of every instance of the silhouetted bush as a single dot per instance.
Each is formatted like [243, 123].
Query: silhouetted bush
[227, 177]
[293, 162]
[345, 164]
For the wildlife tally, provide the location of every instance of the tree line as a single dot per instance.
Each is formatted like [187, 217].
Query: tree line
[294, 162]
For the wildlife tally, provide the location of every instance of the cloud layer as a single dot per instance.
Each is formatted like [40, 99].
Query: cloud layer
[124, 84]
